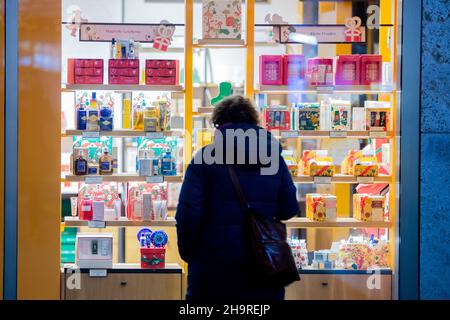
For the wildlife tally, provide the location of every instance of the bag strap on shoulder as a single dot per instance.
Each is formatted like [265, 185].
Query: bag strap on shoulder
[237, 188]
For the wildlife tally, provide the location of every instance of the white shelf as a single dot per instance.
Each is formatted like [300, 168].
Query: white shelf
[119, 88]
[123, 178]
[122, 133]
[325, 90]
[345, 179]
[122, 222]
[304, 223]
[220, 43]
[311, 134]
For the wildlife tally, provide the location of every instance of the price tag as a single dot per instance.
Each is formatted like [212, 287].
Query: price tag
[88, 134]
[338, 134]
[93, 180]
[322, 180]
[289, 134]
[378, 134]
[97, 273]
[154, 135]
[325, 89]
[97, 224]
[155, 179]
[366, 180]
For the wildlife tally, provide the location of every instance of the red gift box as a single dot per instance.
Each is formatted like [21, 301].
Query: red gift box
[271, 70]
[124, 71]
[371, 69]
[277, 119]
[162, 72]
[153, 258]
[294, 69]
[348, 70]
[85, 71]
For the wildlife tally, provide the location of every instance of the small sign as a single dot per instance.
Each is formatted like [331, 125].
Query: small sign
[155, 179]
[98, 273]
[322, 180]
[93, 180]
[378, 134]
[325, 89]
[89, 134]
[289, 134]
[338, 134]
[351, 32]
[154, 135]
[97, 224]
[366, 180]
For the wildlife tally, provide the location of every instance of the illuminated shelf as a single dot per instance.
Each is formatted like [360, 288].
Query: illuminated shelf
[302, 223]
[343, 179]
[310, 134]
[119, 88]
[325, 90]
[122, 222]
[96, 179]
[220, 43]
[122, 133]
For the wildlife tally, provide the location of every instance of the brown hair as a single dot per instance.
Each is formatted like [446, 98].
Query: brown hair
[235, 109]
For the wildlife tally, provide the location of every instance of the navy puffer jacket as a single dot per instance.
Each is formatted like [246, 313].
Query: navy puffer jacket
[211, 226]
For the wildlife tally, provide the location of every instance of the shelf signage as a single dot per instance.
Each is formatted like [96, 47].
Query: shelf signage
[88, 134]
[96, 224]
[156, 179]
[338, 134]
[98, 273]
[378, 134]
[93, 180]
[322, 180]
[154, 135]
[366, 180]
[289, 134]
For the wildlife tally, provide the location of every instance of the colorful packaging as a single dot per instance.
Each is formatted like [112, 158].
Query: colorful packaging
[320, 72]
[162, 72]
[222, 19]
[108, 192]
[363, 256]
[158, 192]
[378, 115]
[368, 207]
[291, 162]
[277, 118]
[307, 116]
[85, 71]
[365, 167]
[124, 71]
[341, 116]
[321, 207]
[316, 163]
[348, 70]
[300, 253]
[271, 70]
[371, 69]
[294, 67]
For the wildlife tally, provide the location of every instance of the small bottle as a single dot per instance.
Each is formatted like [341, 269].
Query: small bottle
[92, 123]
[81, 117]
[106, 118]
[106, 163]
[131, 50]
[156, 167]
[87, 211]
[112, 53]
[168, 165]
[137, 212]
[145, 166]
[81, 165]
[126, 112]
[138, 118]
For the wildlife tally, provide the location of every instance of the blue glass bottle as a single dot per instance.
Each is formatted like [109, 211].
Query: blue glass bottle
[106, 119]
[168, 164]
[81, 118]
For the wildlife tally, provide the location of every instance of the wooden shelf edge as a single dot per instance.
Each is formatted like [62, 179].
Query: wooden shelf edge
[344, 179]
[119, 88]
[75, 222]
[339, 223]
[325, 90]
[121, 178]
[120, 133]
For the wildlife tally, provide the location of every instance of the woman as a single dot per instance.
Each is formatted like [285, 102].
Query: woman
[211, 225]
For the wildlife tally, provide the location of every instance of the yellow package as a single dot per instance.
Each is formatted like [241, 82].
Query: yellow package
[368, 207]
[365, 167]
[321, 207]
[321, 167]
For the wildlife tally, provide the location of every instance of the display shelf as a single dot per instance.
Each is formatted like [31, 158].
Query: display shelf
[96, 179]
[74, 222]
[343, 179]
[206, 110]
[304, 223]
[334, 134]
[325, 90]
[128, 268]
[119, 88]
[310, 270]
[122, 134]
[220, 43]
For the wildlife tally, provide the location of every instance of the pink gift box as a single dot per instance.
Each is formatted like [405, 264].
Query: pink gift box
[85, 71]
[162, 72]
[294, 69]
[371, 69]
[348, 70]
[320, 72]
[271, 70]
[163, 81]
[123, 80]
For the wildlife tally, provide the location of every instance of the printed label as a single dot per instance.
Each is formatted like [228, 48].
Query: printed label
[366, 180]
[97, 224]
[97, 273]
[322, 180]
[89, 134]
[156, 179]
[93, 180]
[338, 134]
[154, 135]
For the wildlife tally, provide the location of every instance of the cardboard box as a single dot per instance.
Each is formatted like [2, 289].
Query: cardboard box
[94, 250]
[85, 71]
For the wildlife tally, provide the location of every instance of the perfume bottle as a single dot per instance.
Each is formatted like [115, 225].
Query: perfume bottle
[126, 111]
[87, 211]
[137, 212]
[138, 118]
[93, 168]
[106, 118]
[150, 118]
[145, 166]
[106, 163]
[92, 122]
[81, 117]
[168, 164]
[81, 165]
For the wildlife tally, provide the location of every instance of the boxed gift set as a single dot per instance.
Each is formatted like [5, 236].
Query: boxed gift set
[306, 116]
[348, 70]
[147, 202]
[321, 207]
[153, 248]
[317, 163]
[162, 72]
[368, 207]
[271, 70]
[371, 69]
[360, 164]
[94, 250]
[291, 162]
[85, 71]
[222, 19]
[300, 252]
[363, 254]
[277, 118]
[124, 71]
[320, 72]
[378, 115]
[99, 202]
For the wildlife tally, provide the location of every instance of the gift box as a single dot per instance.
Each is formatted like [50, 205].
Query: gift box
[307, 116]
[348, 70]
[321, 207]
[349, 160]
[162, 72]
[271, 70]
[157, 211]
[365, 166]
[320, 72]
[277, 118]
[153, 258]
[291, 162]
[108, 192]
[355, 256]
[300, 253]
[294, 67]
[368, 207]
[341, 115]
[94, 251]
[124, 71]
[378, 115]
[309, 155]
[371, 69]
[222, 19]
[85, 71]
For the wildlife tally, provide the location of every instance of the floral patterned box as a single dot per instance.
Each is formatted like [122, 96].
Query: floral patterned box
[222, 19]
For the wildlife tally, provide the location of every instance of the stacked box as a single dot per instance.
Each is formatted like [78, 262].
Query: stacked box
[320, 72]
[294, 69]
[85, 71]
[271, 70]
[277, 118]
[368, 207]
[321, 207]
[371, 69]
[162, 72]
[124, 71]
[348, 70]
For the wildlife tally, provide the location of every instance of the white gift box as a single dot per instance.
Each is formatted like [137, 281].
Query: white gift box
[94, 250]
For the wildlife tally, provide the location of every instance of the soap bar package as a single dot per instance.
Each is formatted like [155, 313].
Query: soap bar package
[321, 207]
[222, 19]
[341, 116]
[368, 207]
[94, 250]
[307, 116]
